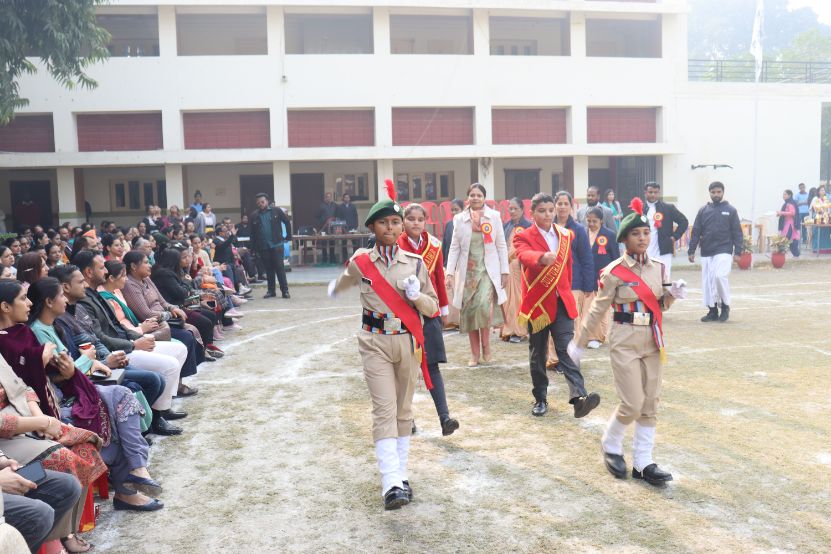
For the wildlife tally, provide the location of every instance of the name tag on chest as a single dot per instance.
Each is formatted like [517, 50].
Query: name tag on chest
[631, 284]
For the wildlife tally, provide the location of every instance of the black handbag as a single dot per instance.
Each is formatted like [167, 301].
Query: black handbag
[176, 323]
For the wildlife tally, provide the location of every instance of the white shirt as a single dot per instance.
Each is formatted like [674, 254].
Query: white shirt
[552, 239]
[653, 250]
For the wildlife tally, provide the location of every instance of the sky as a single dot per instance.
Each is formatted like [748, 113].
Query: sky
[821, 7]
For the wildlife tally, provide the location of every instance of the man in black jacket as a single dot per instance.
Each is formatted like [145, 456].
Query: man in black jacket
[718, 229]
[267, 238]
[349, 213]
[667, 225]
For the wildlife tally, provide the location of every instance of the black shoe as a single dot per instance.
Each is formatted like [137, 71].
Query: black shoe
[725, 313]
[409, 490]
[712, 315]
[585, 404]
[615, 464]
[270, 294]
[148, 440]
[286, 295]
[160, 426]
[170, 415]
[539, 408]
[448, 425]
[413, 431]
[151, 506]
[653, 475]
[395, 498]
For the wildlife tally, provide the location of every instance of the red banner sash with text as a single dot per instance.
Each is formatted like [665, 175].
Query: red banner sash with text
[531, 309]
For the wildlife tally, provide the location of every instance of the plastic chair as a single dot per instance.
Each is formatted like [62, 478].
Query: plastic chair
[526, 207]
[445, 214]
[503, 210]
[102, 486]
[491, 204]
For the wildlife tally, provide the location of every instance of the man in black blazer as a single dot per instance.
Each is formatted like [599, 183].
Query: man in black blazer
[267, 239]
[667, 224]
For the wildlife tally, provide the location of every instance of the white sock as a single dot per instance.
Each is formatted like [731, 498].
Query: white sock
[403, 455]
[612, 440]
[642, 446]
[387, 453]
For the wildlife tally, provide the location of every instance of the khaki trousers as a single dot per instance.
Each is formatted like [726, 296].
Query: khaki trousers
[390, 370]
[636, 367]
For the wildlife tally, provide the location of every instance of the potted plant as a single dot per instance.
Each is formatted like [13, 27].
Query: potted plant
[746, 255]
[779, 245]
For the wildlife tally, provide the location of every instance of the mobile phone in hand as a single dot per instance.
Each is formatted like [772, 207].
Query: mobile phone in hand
[33, 471]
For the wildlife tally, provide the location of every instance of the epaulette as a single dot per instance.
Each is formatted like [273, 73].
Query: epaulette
[606, 270]
[411, 254]
[434, 241]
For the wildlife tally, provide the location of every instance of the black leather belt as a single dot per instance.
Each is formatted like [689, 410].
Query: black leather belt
[377, 325]
[634, 319]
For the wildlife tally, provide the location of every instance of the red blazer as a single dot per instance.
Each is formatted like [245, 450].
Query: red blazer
[530, 246]
[437, 275]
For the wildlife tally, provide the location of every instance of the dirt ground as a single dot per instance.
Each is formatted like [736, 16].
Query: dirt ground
[277, 455]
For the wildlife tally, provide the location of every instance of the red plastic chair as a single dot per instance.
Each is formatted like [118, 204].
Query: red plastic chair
[491, 204]
[526, 207]
[433, 224]
[503, 210]
[102, 486]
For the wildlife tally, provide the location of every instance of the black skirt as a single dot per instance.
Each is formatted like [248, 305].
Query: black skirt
[434, 341]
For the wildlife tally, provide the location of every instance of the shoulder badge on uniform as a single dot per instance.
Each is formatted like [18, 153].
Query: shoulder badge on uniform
[434, 241]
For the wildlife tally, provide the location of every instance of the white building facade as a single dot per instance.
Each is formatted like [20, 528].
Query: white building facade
[522, 96]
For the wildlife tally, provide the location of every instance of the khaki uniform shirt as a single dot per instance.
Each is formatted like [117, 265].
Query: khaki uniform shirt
[613, 290]
[404, 265]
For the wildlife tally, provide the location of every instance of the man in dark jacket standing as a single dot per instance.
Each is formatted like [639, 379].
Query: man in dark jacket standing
[325, 215]
[348, 212]
[667, 225]
[718, 230]
[267, 238]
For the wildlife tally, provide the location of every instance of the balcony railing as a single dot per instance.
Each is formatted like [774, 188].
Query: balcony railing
[744, 71]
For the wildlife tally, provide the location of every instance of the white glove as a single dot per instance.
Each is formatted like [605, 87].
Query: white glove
[412, 288]
[331, 289]
[575, 352]
[678, 289]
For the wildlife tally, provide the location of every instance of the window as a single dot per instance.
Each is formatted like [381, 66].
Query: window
[353, 184]
[529, 36]
[431, 34]
[623, 38]
[133, 35]
[428, 186]
[136, 194]
[329, 34]
[221, 34]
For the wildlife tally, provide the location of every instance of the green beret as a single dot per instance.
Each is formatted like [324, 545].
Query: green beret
[633, 220]
[386, 206]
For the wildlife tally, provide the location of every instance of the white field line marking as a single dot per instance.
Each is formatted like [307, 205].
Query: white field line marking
[277, 310]
[820, 350]
[285, 329]
[777, 285]
[690, 351]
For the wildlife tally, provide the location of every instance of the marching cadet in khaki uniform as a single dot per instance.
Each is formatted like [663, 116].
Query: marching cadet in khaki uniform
[634, 286]
[395, 292]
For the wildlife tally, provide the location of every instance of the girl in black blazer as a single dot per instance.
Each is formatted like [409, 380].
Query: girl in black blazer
[604, 251]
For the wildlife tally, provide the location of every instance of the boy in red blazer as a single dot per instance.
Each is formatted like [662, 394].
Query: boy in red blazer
[548, 306]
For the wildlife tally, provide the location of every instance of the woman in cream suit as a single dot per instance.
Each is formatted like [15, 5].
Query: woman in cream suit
[477, 269]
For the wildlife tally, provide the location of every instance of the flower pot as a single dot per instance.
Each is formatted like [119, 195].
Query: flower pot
[778, 259]
[745, 260]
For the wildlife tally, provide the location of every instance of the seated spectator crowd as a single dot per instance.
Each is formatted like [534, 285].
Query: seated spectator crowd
[98, 330]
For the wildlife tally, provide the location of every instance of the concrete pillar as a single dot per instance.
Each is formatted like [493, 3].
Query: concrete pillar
[385, 171]
[282, 184]
[487, 178]
[578, 35]
[172, 133]
[381, 31]
[276, 53]
[577, 124]
[481, 33]
[167, 32]
[175, 183]
[581, 176]
[67, 199]
[65, 130]
[275, 31]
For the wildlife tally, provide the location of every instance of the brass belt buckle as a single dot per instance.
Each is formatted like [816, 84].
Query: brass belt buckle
[392, 325]
[640, 318]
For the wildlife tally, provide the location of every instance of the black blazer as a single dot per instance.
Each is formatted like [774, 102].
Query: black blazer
[612, 250]
[97, 314]
[673, 226]
[172, 288]
[278, 217]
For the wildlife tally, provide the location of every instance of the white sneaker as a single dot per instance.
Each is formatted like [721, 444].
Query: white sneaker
[594, 344]
[244, 290]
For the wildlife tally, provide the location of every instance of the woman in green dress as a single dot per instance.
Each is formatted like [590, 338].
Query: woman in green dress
[477, 271]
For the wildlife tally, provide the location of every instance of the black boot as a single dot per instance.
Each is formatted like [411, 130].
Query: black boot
[653, 475]
[448, 425]
[712, 315]
[395, 498]
[160, 426]
[725, 313]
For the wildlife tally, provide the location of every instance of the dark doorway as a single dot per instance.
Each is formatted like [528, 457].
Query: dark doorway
[306, 197]
[31, 203]
[250, 185]
[631, 173]
[522, 183]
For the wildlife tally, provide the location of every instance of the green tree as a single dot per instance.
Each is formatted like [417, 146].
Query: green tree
[63, 33]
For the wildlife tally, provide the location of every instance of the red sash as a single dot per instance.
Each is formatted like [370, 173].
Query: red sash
[644, 292]
[430, 254]
[531, 308]
[408, 315]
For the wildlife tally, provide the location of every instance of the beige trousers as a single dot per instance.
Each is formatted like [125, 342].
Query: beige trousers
[636, 366]
[390, 370]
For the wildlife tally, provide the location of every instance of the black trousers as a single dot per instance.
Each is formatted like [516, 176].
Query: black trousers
[562, 331]
[273, 261]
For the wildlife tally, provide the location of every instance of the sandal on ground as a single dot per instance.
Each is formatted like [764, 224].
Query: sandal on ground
[185, 391]
[85, 546]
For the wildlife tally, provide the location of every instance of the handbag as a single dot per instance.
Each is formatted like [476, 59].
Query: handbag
[163, 332]
[176, 323]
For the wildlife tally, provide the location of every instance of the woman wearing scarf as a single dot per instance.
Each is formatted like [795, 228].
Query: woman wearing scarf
[787, 226]
[111, 412]
[75, 450]
[479, 256]
[511, 330]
